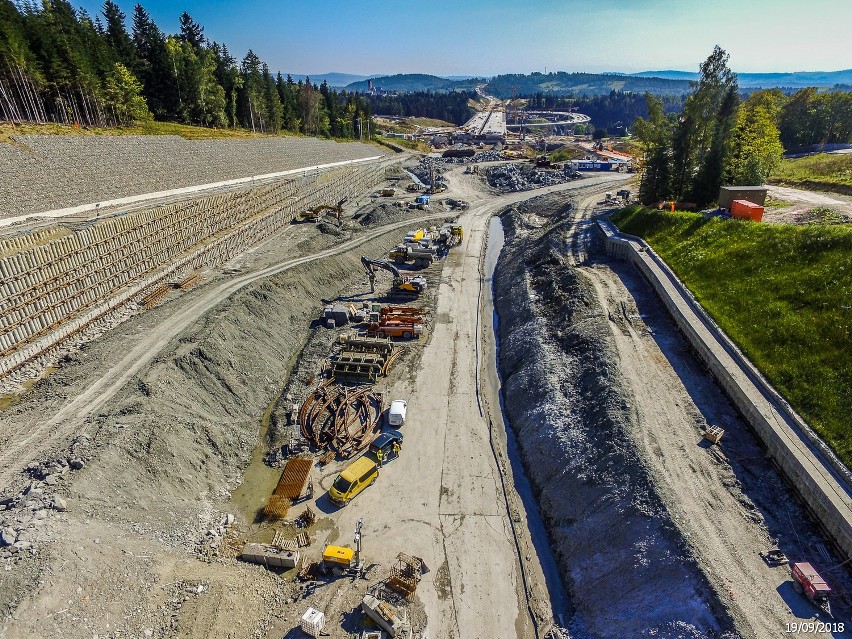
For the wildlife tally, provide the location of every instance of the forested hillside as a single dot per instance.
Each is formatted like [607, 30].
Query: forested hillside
[581, 84]
[451, 107]
[59, 64]
[412, 82]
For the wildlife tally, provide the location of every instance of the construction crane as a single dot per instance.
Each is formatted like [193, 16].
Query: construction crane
[415, 285]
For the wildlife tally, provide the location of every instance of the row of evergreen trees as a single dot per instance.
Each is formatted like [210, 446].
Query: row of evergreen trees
[58, 64]
[450, 106]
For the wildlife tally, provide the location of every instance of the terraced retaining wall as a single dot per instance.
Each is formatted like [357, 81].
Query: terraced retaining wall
[56, 281]
[819, 478]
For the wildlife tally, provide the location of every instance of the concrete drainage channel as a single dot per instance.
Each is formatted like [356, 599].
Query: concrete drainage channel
[814, 472]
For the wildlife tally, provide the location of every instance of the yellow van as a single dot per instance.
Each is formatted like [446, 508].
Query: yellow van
[354, 478]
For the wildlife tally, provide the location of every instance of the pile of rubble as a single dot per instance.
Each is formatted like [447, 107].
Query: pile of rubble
[24, 517]
[488, 156]
[424, 171]
[482, 156]
[514, 177]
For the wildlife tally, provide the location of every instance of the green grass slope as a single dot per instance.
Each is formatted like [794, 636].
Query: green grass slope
[823, 172]
[783, 293]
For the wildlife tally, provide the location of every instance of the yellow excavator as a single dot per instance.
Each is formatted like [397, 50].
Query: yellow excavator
[401, 284]
[316, 213]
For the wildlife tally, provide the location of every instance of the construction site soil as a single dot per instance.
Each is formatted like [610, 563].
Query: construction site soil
[129, 510]
[656, 533]
[128, 554]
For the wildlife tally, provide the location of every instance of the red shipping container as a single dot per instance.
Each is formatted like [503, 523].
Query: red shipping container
[747, 210]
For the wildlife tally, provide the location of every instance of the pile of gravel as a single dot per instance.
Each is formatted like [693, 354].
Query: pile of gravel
[45, 172]
[515, 177]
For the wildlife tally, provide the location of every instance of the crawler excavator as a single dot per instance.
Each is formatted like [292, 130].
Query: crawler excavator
[401, 284]
[314, 214]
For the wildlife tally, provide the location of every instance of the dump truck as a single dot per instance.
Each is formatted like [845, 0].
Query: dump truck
[412, 252]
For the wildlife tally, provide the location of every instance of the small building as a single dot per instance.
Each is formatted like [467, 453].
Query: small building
[755, 194]
[590, 165]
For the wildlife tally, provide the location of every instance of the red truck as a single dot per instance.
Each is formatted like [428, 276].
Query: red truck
[807, 581]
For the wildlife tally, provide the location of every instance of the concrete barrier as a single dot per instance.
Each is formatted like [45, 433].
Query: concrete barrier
[816, 474]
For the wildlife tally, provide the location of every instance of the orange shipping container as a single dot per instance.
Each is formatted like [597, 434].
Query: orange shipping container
[747, 210]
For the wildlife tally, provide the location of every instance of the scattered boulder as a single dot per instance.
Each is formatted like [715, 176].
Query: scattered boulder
[8, 536]
[77, 464]
[58, 503]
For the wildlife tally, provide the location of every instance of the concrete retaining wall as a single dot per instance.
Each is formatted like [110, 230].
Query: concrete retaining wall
[820, 479]
[56, 281]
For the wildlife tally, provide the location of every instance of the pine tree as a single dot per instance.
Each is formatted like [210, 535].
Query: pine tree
[708, 179]
[287, 95]
[274, 108]
[191, 32]
[155, 68]
[696, 130]
[228, 76]
[116, 35]
[655, 136]
[251, 101]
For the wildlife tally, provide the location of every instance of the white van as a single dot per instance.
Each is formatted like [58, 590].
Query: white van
[396, 412]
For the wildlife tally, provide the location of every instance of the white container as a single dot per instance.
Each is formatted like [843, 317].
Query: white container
[313, 622]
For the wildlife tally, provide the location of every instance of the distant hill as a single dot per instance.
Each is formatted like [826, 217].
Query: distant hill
[333, 79]
[589, 84]
[663, 83]
[796, 80]
[410, 82]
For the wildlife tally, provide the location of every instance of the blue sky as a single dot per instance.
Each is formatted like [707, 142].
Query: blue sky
[468, 37]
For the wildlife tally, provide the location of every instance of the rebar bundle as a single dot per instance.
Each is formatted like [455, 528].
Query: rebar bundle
[341, 419]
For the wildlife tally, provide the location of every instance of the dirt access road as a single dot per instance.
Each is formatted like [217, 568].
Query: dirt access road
[673, 398]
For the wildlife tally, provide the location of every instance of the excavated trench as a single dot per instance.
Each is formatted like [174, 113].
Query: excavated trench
[625, 566]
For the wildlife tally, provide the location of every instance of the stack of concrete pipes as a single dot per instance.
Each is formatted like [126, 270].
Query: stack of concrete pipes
[55, 282]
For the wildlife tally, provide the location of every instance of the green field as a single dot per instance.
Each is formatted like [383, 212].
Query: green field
[783, 293]
[823, 172]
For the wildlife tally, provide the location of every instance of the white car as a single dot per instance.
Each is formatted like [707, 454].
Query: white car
[396, 412]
